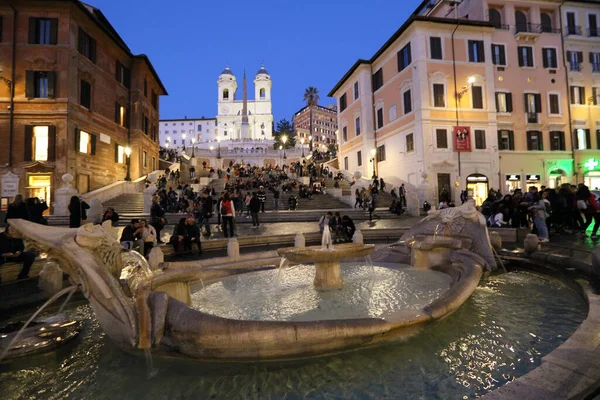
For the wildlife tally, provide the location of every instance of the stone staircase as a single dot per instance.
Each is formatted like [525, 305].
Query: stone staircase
[126, 204]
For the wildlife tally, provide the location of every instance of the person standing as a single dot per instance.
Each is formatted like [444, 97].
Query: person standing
[13, 250]
[157, 217]
[381, 185]
[35, 209]
[17, 209]
[254, 209]
[207, 205]
[74, 212]
[227, 213]
[262, 196]
[276, 199]
[402, 195]
[540, 215]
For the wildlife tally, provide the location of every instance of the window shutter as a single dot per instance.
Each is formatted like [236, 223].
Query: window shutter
[480, 51]
[28, 156]
[127, 78]
[30, 84]
[77, 138]
[92, 50]
[497, 108]
[93, 145]
[51, 84]
[582, 95]
[520, 53]
[591, 58]
[54, 31]
[51, 143]
[117, 113]
[32, 26]
[554, 59]
[509, 104]
[562, 141]
[538, 103]
[588, 143]
[580, 57]
[471, 52]
[529, 144]
[409, 53]
[572, 90]
[545, 54]
[525, 102]
[126, 117]
[575, 140]
[500, 141]
[502, 55]
[116, 153]
[511, 140]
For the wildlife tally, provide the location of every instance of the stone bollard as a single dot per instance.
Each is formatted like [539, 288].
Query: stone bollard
[496, 241]
[531, 243]
[51, 278]
[156, 258]
[299, 240]
[358, 237]
[233, 249]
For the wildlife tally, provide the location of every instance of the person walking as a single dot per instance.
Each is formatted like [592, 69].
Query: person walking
[402, 195]
[227, 213]
[74, 212]
[358, 198]
[371, 205]
[381, 185]
[540, 215]
[254, 207]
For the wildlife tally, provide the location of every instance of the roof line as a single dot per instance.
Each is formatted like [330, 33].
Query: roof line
[187, 119]
[318, 106]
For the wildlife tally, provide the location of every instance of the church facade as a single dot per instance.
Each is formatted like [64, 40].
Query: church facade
[243, 119]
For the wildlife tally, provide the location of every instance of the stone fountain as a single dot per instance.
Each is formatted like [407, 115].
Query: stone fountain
[145, 309]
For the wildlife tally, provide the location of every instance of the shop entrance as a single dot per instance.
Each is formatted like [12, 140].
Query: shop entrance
[532, 180]
[592, 180]
[444, 193]
[478, 187]
[556, 178]
[513, 182]
[40, 186]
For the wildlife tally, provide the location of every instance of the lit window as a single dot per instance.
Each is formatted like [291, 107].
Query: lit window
[85, 142]
[121, 154]
[40, 140]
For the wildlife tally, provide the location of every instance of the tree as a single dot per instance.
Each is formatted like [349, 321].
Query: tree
[311, 96]
[284, 127]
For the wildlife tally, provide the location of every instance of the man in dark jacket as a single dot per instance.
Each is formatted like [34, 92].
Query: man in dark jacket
[254, 207]
[13, 250]
[193, 234]
[207, 208]
[262, 196]
[17, 209]
[348, 227]
[131, 237]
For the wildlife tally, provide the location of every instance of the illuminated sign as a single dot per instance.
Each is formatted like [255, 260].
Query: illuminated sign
[462, 138]
[513, 177]
[591, 164]
[533, 177]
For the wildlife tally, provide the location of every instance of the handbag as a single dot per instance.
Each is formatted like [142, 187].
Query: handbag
[581, 205]
[149, 238]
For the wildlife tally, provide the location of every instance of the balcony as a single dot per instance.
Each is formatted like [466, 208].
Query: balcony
[527, 31]
[572, 30]
[574, 66]
[532, 118]
[594, 32]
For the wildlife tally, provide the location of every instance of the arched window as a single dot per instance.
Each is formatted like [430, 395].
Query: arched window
[495, 17]
[546, 22]
[520, 21]
[262, 93]
[225, 94]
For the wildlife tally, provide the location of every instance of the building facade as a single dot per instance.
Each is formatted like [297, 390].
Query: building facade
[177, 133]
[73, 98]
[488, 98]
[322, 120]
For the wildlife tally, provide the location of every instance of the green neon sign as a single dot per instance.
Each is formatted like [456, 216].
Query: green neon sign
[591, 164]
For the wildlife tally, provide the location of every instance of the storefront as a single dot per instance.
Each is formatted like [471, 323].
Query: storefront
[40, 186]
[556, 178]
[478, 187]
[532, 180]
[513, 182]
[592, 180]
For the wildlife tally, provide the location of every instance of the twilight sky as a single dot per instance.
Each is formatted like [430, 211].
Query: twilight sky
[302, 43]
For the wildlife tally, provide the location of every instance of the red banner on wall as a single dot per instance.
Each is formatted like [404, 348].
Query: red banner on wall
[462, 138]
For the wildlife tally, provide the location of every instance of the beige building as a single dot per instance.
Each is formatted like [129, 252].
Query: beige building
[324, 124]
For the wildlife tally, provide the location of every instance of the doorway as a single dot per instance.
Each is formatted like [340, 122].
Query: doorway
[443, 183]
[40, 186]
[477, 188]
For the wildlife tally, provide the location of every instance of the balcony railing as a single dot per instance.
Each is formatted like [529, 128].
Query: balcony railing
[596, 67]
[528, 28]
[572, 30]
[548, 29]
[594, 32]
[574, 66]
[532, 118]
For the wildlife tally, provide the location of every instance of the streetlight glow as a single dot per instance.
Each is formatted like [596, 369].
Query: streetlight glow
[127, 151]
[471, 80]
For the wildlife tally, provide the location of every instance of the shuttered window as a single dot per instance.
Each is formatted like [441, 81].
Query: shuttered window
[476, 53]
[557, 141]
[85, 142]
[404, 58]
[577, 94]
[407, 98]
[86, 45]
[343, 102]
[40, 84]
[85, 94]
[441, 136]
[435, 45]
[377, 79]
[525, 55]
[534, 141]
[506, 140]
[480, 139]
[40, 143]
[504, 103]
[498, 54]
[554, 104]
[379, 118]
[439, 95]
[123, 76]
[43, 30]
[549, 58]
[477, 92]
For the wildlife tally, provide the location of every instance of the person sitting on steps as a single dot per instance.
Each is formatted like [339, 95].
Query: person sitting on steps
[12, 249]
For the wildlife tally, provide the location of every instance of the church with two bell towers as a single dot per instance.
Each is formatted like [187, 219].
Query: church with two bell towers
[244, 119]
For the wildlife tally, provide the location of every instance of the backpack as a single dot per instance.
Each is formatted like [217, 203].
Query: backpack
[225, 207]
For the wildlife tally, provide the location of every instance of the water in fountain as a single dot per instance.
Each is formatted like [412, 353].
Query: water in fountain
[326, 239]
[34, 316]
[435, 233]
[152, 372]
[369, 263]
[284, 263]
[499, 260]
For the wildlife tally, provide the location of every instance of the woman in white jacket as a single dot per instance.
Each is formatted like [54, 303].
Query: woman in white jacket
[148, 236]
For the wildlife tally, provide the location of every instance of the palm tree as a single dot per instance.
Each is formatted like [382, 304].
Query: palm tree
[311, 96]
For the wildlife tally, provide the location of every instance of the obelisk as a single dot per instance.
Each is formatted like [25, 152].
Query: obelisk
[245, 131]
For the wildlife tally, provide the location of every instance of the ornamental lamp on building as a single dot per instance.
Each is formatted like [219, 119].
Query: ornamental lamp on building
[183, 137]
[128, 154]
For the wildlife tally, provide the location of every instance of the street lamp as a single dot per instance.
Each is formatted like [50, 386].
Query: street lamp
[128, 154]
[183, 137]
[193, 147]
[284, 139]
[302, 141]
[218, 147]
[373, 152]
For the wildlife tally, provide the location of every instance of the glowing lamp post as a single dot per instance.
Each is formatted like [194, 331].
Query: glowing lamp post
[183, 137]
[193, 147]
[284, 140]
[127, 161]
[302, 142]
[218, 147]
[373, 160]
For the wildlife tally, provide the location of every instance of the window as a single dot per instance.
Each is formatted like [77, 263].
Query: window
[86, 45]
[123, 75]
[120, 156]
[554, 103]
[43, 30]
[263, 93]
[521, 24]
[225, 94]
[404, 57]
[346, 163]
[439, 95]
[441, 136]
[495, 18]
[379, 118]
[145, 159]
[407, 101]
[85, 142]
[145, 124]
[410, 143]
[595, 61]
[546, 20]
[504, 102]
[575, 59]
[359, 158]
[381, 153]
[145, 87]
[154, 100]
[357, 125]
[498, 54]
[572, 28]
[344, 134]
[356, 90]
[582, 139]
[549, 58]
[533, 106]
[199, 128]
[40, 84]
[479, 139]
[476, 53]
[377, 79]
[343, 103]
[477, 92]
[506, 140]
[593, 25]
[153, 163]
[122, 115]
[525, 54]
[557, 141]
[85, 94]
[534, 141]
[175, 141]
[435, 47]
[595, 94]
[577, 95]
[40, 143]
[392, 113]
